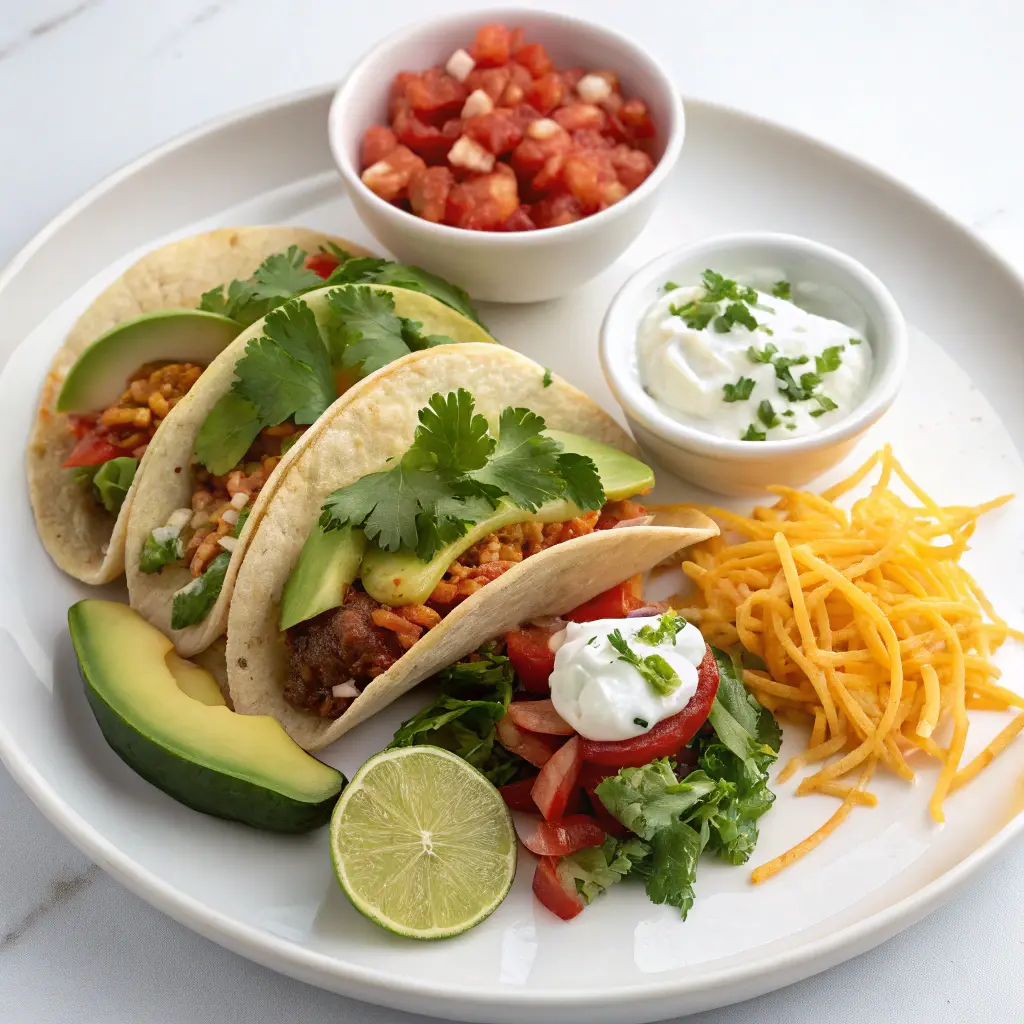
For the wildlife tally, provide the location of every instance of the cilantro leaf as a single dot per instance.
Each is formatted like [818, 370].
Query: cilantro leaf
[740, 391]
[668, 628]
[763, 355]
[365, 328]
[753, 434]
[546, 379]
[781, 290]
[825, 405]
[453, 433]
[656, 671]
[669, 286]
[594, 869]
[735, 313]
[856, 341]
[227, 433]
[830, 360]
[280, 384]
[673, 866]
[193, 602]
[651, 798]
[403, 275]
[767, 415]
[583, 485]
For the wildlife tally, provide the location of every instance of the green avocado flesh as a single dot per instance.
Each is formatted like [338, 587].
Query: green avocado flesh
[97, 379]
[330, 561]
[169, 724]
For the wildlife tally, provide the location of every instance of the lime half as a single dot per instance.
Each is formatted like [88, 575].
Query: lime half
[422, 843]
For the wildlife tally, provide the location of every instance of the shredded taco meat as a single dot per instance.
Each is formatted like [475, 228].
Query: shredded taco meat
[347, 647]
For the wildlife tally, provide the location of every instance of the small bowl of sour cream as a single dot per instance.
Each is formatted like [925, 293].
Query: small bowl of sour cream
[753, 359]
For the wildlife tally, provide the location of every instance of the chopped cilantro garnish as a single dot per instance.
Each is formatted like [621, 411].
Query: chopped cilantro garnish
[740, 391]
[669, 626]
[766, 414]
[735, 313]
[656, 671]
[855, 341]
[781, 290]
[546, 379]
[788, 412]
[455, 473]
[791, 426]
[719, 288]
[669, 286]
[696, 315]
[753, 434]
[830, 360]
[763, 355]
[641, 722]
[825, 405]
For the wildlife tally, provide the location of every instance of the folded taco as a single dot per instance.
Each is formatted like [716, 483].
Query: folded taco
[227, 445]
[130, 357]
[461, 492]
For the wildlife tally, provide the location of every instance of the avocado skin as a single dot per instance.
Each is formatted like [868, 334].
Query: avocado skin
[200, 788]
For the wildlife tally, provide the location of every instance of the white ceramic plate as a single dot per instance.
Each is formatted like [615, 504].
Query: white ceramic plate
[958, 426]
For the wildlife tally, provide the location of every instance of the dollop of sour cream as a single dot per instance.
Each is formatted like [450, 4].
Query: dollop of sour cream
[727, 379]
[605, 698]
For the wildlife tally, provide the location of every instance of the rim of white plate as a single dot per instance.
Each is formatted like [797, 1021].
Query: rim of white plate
[289, 957]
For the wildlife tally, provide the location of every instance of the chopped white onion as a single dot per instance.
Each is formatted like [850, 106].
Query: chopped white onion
[179, 519]
[593, 89]
[471, 155]
[240, 500]
[348, 689]
[229, 516]
[228, 543]
[477, 102]
[459, 65]
[543, 128]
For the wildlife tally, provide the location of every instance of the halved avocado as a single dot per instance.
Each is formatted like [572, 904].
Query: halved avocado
[98, 376]
[241, 767]
[330, 561]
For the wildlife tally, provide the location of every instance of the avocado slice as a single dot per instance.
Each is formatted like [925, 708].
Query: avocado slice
[165, 725]
[328, 561]
[97, 378]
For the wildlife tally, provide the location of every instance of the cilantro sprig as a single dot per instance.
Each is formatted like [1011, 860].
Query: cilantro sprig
[782, 290]
[455, 474]
[656, 671]
[668, 627]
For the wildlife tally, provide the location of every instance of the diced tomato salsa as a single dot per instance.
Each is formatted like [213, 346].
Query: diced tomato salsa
[500, 139]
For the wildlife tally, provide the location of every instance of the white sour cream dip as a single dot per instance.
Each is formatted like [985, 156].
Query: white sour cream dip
[708, 378]
[605, 698]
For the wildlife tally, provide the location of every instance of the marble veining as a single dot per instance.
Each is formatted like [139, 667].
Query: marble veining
[59, 893]
[46, 26]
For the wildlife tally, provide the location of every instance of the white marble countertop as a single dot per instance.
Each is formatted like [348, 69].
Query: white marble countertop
[931, 92]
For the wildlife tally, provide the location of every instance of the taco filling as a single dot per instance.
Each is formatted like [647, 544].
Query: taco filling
[455, 513]
[299, 359]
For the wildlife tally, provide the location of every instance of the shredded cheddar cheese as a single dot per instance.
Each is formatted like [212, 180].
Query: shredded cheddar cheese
[868, 628]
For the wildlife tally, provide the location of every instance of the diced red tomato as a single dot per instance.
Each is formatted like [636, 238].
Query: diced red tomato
[562, 838]
[378, 141]
[390, 177]
[531, 657]
[571, 76]
[428, 193]
[546, 92]
[666, 738]
[517, 795]
[492, 80]
[555, 210]
[637, 119]
[591, 178]
[575, 117]
[553, 892]
[589, 138]
[323, 264]
[540, 161]
[81, 424]
[92, 450]
[591, 776]
[425, 140]
[539, 716]
[498, 132]
[632, 166]
[520, 221]
[615, 603]
[557, 780]
[530, 746]
[492, 46]
[435, 95]
[519, 82]
[485, 202]
[534, 58]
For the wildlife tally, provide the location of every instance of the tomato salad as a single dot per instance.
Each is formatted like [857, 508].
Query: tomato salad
[500, 139]
[644, 805]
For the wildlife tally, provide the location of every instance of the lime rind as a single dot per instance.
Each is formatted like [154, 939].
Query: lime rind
[422, 844]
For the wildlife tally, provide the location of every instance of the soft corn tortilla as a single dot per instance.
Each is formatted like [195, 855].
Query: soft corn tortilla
[85, 540]
[164, 482]
[376, 421]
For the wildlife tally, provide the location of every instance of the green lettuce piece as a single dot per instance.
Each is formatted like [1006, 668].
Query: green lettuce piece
[161, 550]
[651, 798]
[193, 602]
[594, 869]
[474, 696]
[110, 481]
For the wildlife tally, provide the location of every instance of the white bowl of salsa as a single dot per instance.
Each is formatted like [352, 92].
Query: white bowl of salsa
[551, 237]
[753, 359]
